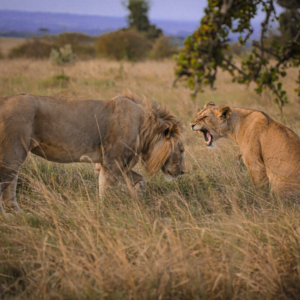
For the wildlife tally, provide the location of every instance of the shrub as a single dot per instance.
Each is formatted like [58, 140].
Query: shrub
[123, 44]
[82, 45]
[163, 48]
[35, 48]
[64, 55]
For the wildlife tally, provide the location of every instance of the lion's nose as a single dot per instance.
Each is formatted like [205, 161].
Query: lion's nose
[193, 125]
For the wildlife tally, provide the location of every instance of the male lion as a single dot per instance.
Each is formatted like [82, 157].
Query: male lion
[270, 150]
[113, 133]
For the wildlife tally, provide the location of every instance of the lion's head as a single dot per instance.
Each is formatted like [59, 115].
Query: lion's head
[166, 153]
[160, 140]
[175, 164]
[211, 121]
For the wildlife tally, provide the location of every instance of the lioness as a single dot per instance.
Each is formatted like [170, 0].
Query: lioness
[270, 150]
[113, 133]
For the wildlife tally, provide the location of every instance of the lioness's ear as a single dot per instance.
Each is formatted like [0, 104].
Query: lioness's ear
[208, 104]
[168, 132]
[224, 113]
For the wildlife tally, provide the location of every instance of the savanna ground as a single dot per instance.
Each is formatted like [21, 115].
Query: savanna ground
[207, 235]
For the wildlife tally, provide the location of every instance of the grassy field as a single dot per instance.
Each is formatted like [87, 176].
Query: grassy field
[207, 235]
[7, 43]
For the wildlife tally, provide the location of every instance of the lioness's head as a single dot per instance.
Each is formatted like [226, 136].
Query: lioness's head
[211, 121]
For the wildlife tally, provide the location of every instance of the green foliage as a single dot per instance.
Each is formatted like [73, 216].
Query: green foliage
[163, 48]
[82, 45]
[205, 51]
[123, 44]
[289, 20]
[62, 56]
[138, 18]
[60, 80]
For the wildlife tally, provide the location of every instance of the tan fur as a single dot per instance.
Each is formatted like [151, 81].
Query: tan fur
[270, 150]
[113, 133]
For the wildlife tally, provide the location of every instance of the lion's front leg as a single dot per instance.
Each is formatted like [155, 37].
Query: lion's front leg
[106, 180]
[138, 182]
[135, 182]
[97, 168]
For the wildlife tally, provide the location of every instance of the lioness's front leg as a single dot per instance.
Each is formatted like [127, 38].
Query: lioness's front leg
[256, 169]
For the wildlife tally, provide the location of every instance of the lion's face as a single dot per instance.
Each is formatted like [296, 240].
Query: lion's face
[175, 164]
[212, 122]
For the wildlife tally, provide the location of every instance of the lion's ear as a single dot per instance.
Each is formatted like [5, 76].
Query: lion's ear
[209, 104]
[168, 132]
[224, 113]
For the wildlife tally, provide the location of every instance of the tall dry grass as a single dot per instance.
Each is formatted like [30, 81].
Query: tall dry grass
[207, 235]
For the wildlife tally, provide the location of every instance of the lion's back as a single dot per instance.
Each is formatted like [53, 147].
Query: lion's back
[17, 109]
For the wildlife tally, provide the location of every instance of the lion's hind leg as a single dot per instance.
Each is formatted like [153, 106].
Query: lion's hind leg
[9, 197]
[257, 170]
[8, 181]
[9, 168]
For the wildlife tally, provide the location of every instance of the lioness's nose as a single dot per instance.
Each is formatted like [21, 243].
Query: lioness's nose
[193, 125]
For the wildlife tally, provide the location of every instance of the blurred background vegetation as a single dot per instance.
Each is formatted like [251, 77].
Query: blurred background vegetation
[222, 41]
[208, 49]
[139, 40]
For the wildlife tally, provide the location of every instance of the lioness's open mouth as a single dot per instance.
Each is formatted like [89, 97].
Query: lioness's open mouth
[207, 136]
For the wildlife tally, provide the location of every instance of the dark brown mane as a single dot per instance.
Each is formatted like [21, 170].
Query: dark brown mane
[160, 111]
[156, 147]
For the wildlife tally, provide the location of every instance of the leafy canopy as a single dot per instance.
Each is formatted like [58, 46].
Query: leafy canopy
[206, 50]
[138, 18]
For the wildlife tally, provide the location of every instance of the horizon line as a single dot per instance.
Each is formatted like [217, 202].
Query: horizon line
[86, 14]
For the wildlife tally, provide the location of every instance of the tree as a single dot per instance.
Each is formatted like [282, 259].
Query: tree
[289, 19]
[205, 52]
[138, 18]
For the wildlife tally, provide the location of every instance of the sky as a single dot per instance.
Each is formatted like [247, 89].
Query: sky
[180, 10]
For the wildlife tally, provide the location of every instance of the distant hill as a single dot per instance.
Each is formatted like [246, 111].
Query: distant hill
[27, 24]
[18, 23]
